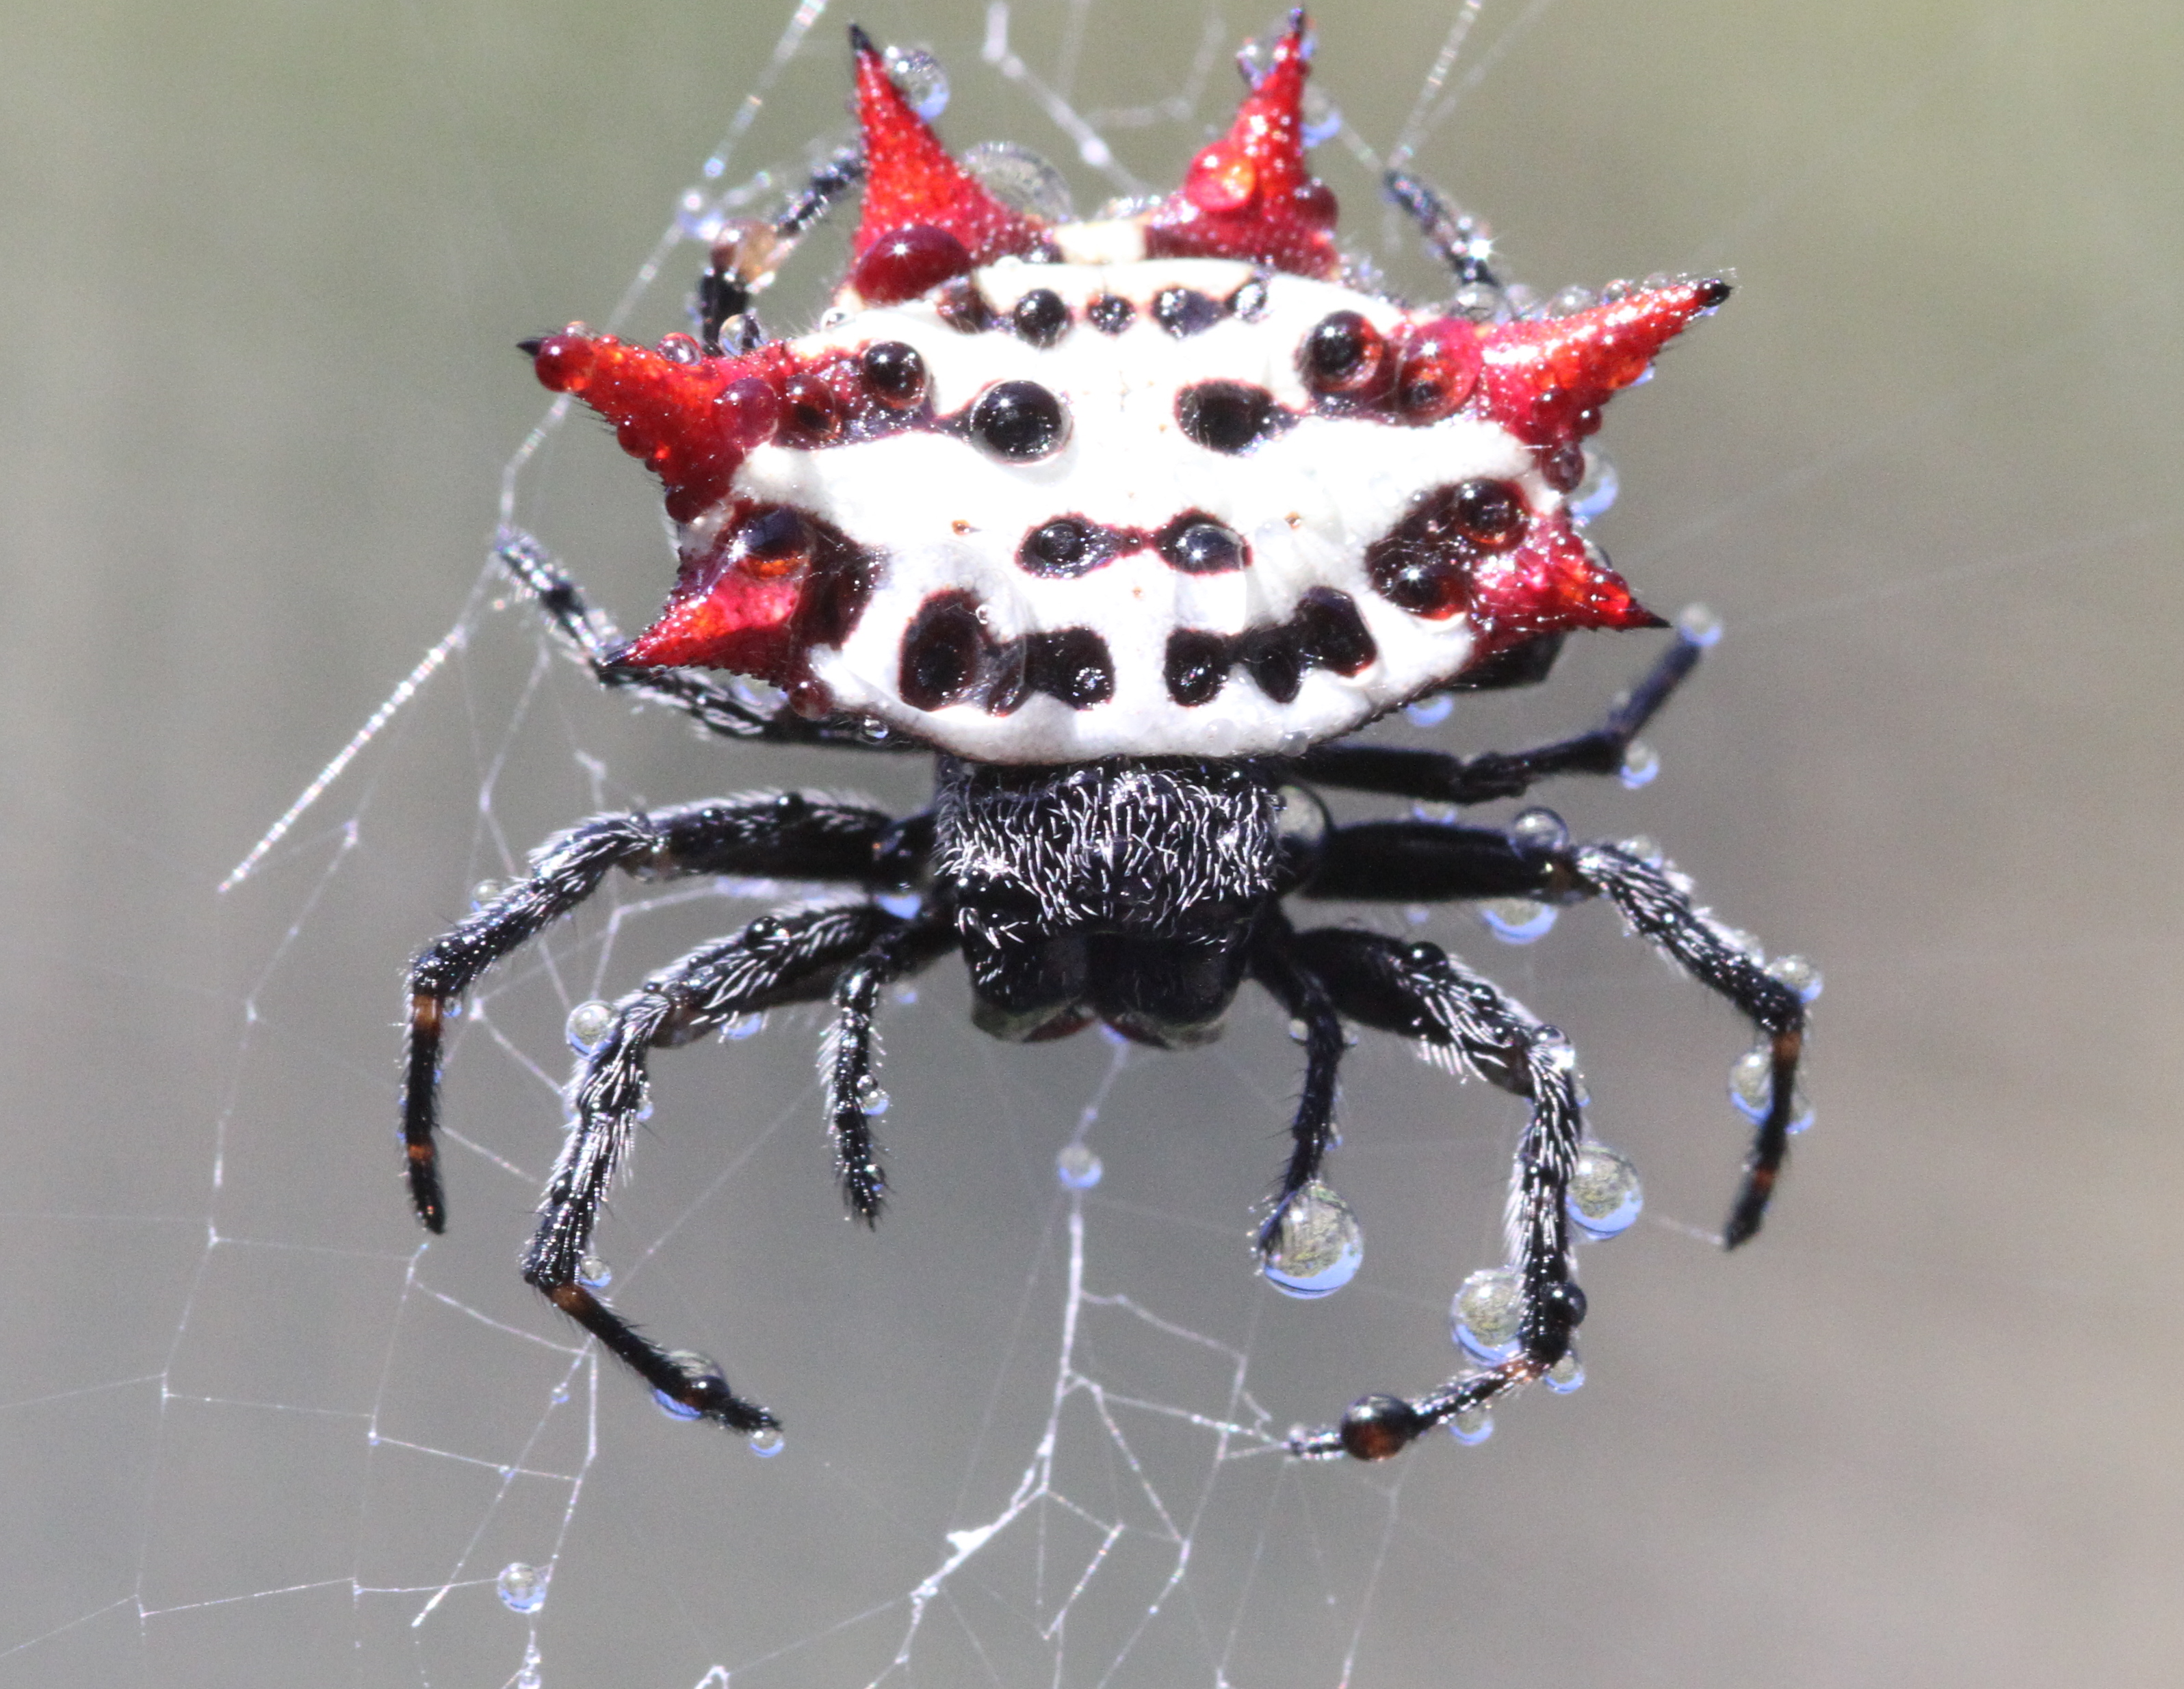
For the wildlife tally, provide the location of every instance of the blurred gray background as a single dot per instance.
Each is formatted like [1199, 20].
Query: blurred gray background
[262, 268]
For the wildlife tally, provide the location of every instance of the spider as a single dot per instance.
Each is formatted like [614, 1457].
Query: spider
[1131, 523]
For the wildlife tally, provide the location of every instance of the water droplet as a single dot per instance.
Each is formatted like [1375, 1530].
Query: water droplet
[1517, 921]
[484, 892]
[1699, 625]
[522, 1588]
[526, 1674]
[1431, 712]
[872, 732]
[1752, 1088]
[1541, 829]
[1018, 176]
[1604, 1197]
[1481, 301]
[1645, 848]
[1571, 300]
[1488, 1313]
[1078, 1167]
[766, 1442]
[1566, 1375]
[1798, 973]
[1640, 762]
[560, 1394]
[1596, 494]
[589, 1023]
[920, 78]
[594, 1273]
[902, 905]
[870, 1099]
[738, 1027]
[1318, 1246]
[1472, 1426]
[1301, 816]
[695, 1367]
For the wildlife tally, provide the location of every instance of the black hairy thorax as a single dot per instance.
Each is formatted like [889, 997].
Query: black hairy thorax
[1118, 891]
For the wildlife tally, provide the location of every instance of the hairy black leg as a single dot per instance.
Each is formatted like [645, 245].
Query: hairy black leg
[776, 960]
[1460, 241]
[744, 254]
[1275, 965]
[1411, 861]
[1435, 776]
[1469, 1024]
[850, 1059]
[1657, 902]
[596, 641]
[805, 837]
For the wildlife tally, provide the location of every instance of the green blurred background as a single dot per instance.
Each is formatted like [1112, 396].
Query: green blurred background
[262, 266]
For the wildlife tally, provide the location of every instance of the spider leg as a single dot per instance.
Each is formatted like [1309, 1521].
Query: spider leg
[776, 960]
[1658, 904]
[1468, 1023]
[746, 252]
[1462, 243]
[1275, 965]
[805, 837]
[1435, 776]
[1417, 860]
[848, 1058]
[598, 643]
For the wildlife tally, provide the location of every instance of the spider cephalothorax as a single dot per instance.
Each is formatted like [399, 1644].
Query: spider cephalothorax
[1129, 519]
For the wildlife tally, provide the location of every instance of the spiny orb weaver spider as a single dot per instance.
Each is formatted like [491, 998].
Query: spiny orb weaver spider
[1130, 522]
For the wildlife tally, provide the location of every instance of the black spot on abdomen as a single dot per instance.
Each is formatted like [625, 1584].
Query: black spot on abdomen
[949, 658]
[1324, 631]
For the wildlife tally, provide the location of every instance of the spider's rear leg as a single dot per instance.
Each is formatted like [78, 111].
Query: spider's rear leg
[1435, 776]
[1417, 991]
[802, 835]
[776, 959]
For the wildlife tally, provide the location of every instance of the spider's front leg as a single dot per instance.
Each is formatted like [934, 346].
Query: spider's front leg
[1417, 991]
[795, 958]
[788, 834]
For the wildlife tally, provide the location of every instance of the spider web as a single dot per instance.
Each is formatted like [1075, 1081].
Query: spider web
[1032, 1431]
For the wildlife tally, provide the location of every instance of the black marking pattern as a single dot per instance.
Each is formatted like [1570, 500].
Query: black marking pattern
[1424, 562]
[1325, 631]
[949, 658]
[1063, 548]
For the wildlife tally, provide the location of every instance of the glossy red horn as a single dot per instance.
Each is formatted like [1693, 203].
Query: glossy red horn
[925, 218]
[1546, 380]
[1248, 195]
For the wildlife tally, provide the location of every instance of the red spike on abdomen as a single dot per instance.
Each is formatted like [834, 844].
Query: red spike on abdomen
[1248, 195]
[1551, 582]
[690, 419]
[925, 218]
[1545, 379]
